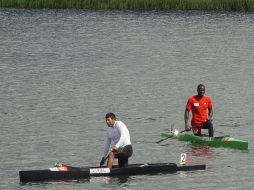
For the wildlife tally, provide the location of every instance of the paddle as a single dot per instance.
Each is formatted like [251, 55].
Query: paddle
[170, 136]
[183, 131]
[172, 128]
[163, 140]
[105, 158]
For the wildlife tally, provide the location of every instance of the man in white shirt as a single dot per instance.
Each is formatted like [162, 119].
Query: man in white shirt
[119, 137]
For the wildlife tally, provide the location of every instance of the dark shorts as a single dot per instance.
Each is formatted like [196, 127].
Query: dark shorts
[123, 154]
[206, 125]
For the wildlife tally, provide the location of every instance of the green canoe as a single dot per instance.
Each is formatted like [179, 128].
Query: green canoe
[222, 141]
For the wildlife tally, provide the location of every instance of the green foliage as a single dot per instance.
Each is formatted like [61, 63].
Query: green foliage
[216, 5]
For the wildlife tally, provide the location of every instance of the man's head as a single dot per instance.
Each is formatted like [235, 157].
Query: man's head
[110, 119]
[201, 90]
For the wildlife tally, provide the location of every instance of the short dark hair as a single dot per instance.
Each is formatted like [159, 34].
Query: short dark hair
[200, 85]
[111, 115]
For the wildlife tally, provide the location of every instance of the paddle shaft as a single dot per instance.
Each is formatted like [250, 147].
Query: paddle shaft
[183, 131]
[106, 157]
[163, 140]
[170, 136]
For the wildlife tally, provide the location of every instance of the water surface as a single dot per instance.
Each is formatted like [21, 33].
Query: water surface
[61, 71]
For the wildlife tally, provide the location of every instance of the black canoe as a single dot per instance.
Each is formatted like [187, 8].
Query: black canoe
[64, 172]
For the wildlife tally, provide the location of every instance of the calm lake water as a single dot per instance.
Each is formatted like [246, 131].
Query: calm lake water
[61, 71]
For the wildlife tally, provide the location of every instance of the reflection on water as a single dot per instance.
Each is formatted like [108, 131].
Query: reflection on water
[200, 150]
[104, 181]
[112, 182]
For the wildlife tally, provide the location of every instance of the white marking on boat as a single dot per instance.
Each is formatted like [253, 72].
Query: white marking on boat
[225, 139]
[206, 138]
[54, 169]
[99, 170]
[59, 168]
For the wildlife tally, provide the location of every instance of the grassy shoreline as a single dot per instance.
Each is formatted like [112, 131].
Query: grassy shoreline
[215, 5]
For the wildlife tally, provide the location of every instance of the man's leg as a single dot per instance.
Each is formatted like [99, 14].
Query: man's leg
[123, 155]
[196, 131]
[111, 158]
[208, 125]
[123, 161]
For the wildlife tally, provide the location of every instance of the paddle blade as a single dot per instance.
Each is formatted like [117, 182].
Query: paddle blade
[162, 140]
[183, 131]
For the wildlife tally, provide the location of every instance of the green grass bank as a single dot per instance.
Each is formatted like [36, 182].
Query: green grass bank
[215, 5]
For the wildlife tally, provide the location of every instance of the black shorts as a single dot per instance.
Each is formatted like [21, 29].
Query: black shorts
[208, 125]
[122, 154]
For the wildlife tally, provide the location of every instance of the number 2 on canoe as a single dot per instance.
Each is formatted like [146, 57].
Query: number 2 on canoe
[184, 159]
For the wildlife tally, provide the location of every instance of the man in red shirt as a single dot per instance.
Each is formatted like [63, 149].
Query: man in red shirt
[202, 112]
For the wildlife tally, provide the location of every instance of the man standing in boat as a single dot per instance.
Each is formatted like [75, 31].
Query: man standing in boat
[118, 135]
[202, 112]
